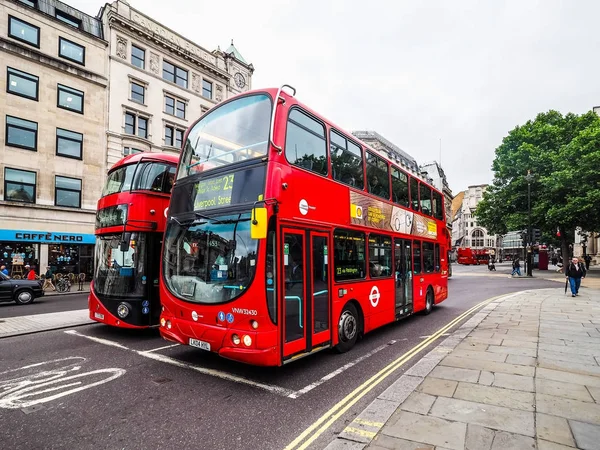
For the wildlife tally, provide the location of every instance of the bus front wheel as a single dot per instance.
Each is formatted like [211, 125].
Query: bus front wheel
[347, 328]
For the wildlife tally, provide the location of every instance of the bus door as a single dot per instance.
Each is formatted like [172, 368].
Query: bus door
[306, 291]
[403, 266]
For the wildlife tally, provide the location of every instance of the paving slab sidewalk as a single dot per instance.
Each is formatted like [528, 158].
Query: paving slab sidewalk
[15, 326]
[523, 373]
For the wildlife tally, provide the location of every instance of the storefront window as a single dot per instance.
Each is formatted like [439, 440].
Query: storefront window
[15, 256]
[71, 259]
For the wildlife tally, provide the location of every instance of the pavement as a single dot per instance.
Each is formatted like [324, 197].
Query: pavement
[523, 373]
[74, 290]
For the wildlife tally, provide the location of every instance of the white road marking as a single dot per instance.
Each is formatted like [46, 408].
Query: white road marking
[212, 372]
[18, 392]
[330, 375]
[161, 348]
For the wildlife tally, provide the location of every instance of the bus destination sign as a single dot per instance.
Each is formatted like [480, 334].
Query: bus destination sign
[214, 192]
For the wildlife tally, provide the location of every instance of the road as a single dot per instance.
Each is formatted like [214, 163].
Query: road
[138, 391]
[45, 304]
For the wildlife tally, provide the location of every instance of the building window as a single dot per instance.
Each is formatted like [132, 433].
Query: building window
[31, 3]
[477, 238]
[173, 136]
[21, 133]
[67, 192]
[138, 92]
[174, 107]
[69, 143]
[141, 129]
[207, 88]
[22, 84]
[23, 31]
[19, 185]
[130, 151]
[66, 18]
[71, 51]
[138, 57]
[71, 99]
[175, 74]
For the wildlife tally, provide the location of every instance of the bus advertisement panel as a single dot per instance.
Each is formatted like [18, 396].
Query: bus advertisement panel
[287, 236]
[130, 222]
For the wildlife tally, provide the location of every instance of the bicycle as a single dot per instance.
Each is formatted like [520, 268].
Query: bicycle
[63, 284]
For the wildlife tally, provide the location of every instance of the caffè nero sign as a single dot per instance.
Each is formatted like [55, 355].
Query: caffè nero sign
[181, 43]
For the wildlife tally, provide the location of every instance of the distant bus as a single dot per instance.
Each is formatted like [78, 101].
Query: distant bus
[130, 223]
[287, 235]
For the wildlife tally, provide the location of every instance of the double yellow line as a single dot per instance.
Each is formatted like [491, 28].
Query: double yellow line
[327, 419]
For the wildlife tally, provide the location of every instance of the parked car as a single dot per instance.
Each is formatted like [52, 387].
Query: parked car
[22, 292]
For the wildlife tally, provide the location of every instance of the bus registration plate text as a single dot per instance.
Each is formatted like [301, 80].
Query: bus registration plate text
[200, 344]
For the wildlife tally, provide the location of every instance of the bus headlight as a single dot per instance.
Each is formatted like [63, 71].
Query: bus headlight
[254, 324]
[247, 340]
[235, 339]
[162, 321]
[123, 310]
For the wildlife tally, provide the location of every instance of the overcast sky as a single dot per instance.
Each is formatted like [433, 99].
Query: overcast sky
[414, 71]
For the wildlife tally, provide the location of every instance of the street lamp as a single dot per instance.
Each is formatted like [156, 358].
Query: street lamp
[529, 268]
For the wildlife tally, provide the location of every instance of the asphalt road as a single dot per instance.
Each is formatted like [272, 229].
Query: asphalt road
[45, 304]
[125, 390]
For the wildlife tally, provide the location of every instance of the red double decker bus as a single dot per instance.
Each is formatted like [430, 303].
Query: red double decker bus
[287, 236]
[130, 223]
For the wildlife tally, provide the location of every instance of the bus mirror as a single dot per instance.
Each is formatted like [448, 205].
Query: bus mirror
[258, 227]
[125, 241]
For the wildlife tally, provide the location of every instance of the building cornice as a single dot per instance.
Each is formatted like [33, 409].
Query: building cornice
[189, 54]
[43, 207]
[52, 62]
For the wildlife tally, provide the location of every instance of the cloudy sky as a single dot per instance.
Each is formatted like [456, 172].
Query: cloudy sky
[462, 71]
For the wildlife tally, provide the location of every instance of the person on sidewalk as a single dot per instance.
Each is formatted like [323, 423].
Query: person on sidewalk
[4, 270]
[516, 267]
[574, 273]
[48, 280]
[588, 260]
[30, 272]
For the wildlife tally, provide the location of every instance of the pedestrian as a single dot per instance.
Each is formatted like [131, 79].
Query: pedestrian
[516, 267]
[588, 260]
[30, 272]
[48, 279]
[4, 270]
[574, 273]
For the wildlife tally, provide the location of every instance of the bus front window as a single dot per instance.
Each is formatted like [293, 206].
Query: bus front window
[232, 132]
[209, 260]
[120, 271]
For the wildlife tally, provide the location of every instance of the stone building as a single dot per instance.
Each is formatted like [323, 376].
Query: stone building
[390, 150]
[160, 82]
[53, 74]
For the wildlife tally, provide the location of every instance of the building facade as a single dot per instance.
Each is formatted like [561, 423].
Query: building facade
[53, 74]
[160, 82]
[390, 150]
[466, 233]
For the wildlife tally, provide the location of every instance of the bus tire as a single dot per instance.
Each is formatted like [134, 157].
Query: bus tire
[429, 302]
[348, 328]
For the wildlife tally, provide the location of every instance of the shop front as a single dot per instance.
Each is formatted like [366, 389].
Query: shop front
[62, 252]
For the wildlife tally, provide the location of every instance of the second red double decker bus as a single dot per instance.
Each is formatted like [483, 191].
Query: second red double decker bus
[287, 235]
[130, 223]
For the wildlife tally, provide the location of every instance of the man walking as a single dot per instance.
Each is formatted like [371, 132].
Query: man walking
[574, 273]
[516, 267]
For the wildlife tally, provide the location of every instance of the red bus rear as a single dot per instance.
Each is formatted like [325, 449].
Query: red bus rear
[130, 223]
[287, 236]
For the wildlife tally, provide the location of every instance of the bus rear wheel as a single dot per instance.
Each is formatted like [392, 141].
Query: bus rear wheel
[429, 302]
[347, 328]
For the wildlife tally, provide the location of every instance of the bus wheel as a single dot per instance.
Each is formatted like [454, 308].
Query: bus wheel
[347, 328]
[429, 302]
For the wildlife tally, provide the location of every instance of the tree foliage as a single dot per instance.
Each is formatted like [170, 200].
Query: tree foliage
[563, 155]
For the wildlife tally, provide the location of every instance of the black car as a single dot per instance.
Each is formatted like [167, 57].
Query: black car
[20, 291]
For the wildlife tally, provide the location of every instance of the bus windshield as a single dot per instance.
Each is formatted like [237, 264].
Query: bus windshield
[149, 176]
[209, 260]
[233, 132]
[120, 273]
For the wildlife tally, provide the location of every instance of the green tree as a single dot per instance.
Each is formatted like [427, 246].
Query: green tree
[563, 155]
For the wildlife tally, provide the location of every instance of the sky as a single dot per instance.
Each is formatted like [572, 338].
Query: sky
[443, 80]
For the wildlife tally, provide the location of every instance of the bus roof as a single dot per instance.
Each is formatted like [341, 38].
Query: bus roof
[147, 156]
[273, 92]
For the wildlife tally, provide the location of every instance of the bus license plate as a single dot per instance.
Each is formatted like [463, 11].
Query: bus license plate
[200, 344]
[99, 316]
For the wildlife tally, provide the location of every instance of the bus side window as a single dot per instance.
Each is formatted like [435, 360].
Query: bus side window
[414, 194]
[438, 206]
[349, 256]
[416, 257]
[400, 187]
[425, 197]
[428, 258]
[436, 258]
[305, 142]
[380, 256]
[346, 160]
[378, 179]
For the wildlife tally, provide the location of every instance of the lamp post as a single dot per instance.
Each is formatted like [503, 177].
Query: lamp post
[529, 179]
